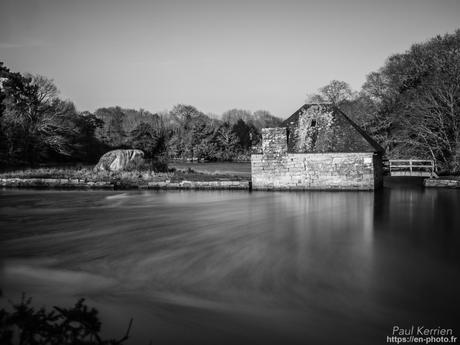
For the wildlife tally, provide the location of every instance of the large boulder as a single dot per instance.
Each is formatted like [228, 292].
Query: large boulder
[118, 160]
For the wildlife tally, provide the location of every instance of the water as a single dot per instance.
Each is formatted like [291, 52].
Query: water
[215, 267]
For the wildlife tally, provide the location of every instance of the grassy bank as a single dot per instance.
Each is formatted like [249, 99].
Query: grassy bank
[87, 177]
[83, 174]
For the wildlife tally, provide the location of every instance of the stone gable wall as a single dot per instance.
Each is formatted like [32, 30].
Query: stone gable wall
[308, 138]
[319, 128]
[277, 169]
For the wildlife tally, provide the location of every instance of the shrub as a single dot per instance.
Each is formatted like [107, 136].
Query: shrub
[29, 326]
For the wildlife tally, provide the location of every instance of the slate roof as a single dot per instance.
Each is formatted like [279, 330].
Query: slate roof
[341, 135]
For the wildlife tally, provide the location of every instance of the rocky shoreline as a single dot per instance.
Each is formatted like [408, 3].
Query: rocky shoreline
[120, 184]
[441, 183]
[53, 183]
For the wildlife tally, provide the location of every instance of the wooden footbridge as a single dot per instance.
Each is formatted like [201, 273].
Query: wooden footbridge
[412, 167]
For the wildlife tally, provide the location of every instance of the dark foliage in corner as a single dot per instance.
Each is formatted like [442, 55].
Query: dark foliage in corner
[79, 325]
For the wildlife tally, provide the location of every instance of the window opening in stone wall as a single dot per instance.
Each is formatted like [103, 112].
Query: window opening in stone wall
[313, 123]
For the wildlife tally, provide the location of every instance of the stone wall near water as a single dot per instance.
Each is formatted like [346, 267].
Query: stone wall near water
[277, 169]
[116, 185]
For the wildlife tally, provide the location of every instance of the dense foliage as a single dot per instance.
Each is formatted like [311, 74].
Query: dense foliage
[184, 132]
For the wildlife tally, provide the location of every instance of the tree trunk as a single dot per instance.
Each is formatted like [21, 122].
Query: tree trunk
[456, 158]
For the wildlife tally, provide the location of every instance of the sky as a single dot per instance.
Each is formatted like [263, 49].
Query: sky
[215, 55]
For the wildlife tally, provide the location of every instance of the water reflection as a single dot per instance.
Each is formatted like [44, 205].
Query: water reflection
[238, 267]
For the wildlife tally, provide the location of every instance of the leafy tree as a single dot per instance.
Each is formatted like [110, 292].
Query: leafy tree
[119, 124]
[149, 139]
[207, 149]
[86, 147]
[190, 128]
[245, 133]
[112, 132]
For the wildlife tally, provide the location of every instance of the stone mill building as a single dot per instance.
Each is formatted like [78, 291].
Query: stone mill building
[317, 147]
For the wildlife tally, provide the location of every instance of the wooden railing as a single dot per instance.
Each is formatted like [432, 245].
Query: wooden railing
[412, 167]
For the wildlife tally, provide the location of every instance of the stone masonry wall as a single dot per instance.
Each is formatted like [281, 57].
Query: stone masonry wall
[277, 169]
[48, 183]
[274, 141]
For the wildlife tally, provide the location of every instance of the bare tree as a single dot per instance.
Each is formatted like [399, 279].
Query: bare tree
[38, 116]
[336, 92]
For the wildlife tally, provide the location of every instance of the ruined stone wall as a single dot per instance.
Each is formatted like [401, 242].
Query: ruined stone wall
[274, 141]
[314, 132]
[275, 168]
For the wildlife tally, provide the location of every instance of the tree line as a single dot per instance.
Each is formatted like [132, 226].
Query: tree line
[410, 106]
[36, 126]
[184, 132]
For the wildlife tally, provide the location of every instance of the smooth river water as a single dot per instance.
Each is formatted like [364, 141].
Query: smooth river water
[218, 267]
